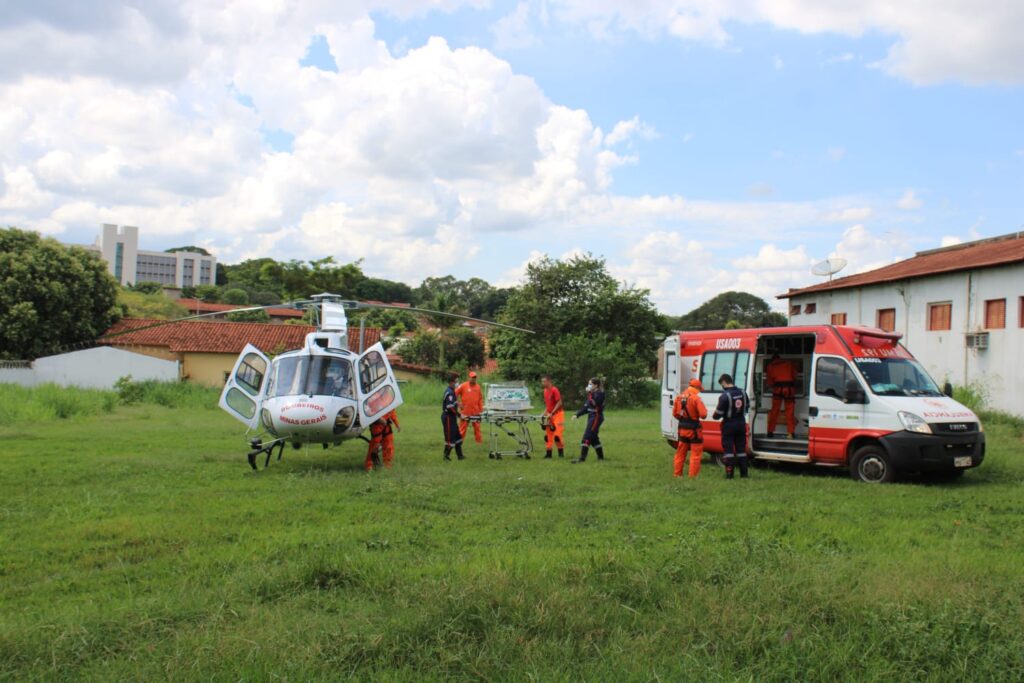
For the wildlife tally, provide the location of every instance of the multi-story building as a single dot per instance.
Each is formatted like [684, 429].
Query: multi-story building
[119, 247]
[960, 310]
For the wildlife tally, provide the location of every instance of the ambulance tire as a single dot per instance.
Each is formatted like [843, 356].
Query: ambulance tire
[870, 464]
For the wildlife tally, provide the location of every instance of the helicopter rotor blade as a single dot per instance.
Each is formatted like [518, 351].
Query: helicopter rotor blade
[427, 311]
[199, 316]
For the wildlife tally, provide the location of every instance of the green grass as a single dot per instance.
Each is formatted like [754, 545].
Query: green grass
[137, 545]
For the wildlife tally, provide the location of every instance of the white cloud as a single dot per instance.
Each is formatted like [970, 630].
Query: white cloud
[778, 63]
[950, 241]
[849, 214]
[513, 32]
[624, 130]
[932, 40]
[865, 250]
[909, 201]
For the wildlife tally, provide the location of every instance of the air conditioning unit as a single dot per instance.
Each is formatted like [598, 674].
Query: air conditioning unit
[977, 340]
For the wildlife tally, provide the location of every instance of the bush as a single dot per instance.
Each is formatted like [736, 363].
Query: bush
[259, 316]
[167, 394]
[974, 396]
[48, 402]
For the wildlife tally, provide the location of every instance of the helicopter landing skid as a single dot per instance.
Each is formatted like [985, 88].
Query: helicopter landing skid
[258, 447]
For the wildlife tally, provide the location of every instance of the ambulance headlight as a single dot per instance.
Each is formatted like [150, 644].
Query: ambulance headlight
[914, 423]
[344, 419]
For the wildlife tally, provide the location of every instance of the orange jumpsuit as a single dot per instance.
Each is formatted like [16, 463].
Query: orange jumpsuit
[554, 427]
[689, 407]
[781, 376]
[382, 437]
[472, 398]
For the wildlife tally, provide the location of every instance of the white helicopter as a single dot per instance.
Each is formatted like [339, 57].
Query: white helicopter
[319, 394]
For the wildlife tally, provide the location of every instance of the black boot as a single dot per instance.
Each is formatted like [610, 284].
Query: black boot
[561, 453]
[743, 466]
[583, 455]
[458, 451]
[448, 453]
[600, 452]
[547, 454]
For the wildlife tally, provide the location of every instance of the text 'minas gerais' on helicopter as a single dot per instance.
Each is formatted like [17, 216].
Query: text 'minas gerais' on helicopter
[319, 394]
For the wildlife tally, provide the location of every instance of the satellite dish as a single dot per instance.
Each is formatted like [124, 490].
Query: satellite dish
[829, 267]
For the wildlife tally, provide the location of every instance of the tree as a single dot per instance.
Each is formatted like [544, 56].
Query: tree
[738, 309]
[147, 287]
[52, 297]
[458, 347]
[197, 250]
[476, 297]
[236, 296]
[142, 305]
[387, 291]
[574, 305]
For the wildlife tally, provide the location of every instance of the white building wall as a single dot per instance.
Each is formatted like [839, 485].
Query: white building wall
[128, 237]
[97, 368]
[998, 370]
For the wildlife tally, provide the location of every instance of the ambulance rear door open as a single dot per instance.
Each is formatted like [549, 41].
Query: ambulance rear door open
[670, 385]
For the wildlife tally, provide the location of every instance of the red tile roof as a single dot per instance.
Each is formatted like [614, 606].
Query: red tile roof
[996, 251]
[197, 306]
[194, 336]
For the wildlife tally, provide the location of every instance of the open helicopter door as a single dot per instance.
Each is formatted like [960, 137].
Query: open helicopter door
[244, 391]
[378, 388]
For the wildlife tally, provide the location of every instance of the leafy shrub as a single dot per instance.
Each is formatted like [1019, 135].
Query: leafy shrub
[236, 296]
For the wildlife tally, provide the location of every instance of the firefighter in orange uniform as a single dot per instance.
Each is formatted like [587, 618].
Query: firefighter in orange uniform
[388, 440]
[689, 410]
[554, 418]
[781, 377]
[471, 396]
[382, 441]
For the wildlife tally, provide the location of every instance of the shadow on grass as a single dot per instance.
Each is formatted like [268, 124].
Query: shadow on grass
[931, 480]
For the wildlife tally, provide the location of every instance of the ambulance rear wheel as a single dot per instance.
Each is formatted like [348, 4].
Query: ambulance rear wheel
[871, 464]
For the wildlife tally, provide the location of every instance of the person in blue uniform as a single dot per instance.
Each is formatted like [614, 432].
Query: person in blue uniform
[593, 408]
[450, 420]
[732, 411]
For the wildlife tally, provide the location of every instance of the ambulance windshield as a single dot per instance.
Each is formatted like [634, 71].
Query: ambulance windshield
[896, 377]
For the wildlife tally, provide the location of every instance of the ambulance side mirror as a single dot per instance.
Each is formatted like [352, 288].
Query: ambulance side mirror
[947, 389]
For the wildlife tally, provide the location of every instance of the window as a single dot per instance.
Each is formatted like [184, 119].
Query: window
[940, 316]
[671, 372]
[897, 377]
[833, 377]
[810, 308]
[794, 309]
[995, 314]
[886, 319]
[249, 375]
[373, 371]
[313, 375]
[838, 318]
[716, 363]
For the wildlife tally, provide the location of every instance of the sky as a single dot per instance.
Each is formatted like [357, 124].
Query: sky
[698, 145]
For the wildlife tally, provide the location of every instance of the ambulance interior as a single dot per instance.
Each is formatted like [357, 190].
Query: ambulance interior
[798, 349]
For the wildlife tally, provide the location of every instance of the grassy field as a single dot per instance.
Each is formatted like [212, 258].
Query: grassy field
[137, 545]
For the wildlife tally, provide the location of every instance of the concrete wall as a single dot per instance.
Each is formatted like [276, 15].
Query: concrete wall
[98, 368]
[208, 369]
[999, 369]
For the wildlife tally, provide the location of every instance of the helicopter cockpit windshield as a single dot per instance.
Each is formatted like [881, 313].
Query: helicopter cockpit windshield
[314, 376]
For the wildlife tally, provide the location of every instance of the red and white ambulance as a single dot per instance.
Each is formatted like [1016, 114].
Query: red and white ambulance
[862, 401]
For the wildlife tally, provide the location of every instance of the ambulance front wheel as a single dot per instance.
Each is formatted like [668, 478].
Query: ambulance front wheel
[871, 464]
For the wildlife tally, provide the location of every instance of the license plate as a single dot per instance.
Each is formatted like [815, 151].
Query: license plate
[962, 461]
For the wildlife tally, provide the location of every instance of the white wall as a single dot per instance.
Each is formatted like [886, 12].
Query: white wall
[999, 369]
[97, 368]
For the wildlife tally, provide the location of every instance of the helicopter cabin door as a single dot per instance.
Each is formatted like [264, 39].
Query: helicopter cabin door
[246, 386]
[378, 388]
